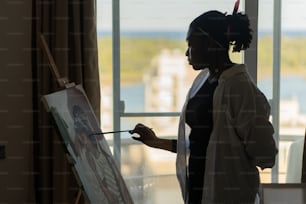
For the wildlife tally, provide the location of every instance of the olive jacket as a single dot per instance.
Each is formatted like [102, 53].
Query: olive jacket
[241, 140]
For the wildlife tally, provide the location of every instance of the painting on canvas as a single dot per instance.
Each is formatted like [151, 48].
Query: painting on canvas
[92, 158]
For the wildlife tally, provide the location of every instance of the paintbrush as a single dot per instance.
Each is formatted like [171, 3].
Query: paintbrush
[111, 132]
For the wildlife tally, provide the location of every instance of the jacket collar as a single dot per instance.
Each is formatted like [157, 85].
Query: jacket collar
[234, 70]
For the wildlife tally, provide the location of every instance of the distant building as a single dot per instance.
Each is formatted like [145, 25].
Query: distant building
[166, 85]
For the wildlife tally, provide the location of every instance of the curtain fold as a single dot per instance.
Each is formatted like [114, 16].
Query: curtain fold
[69, 28]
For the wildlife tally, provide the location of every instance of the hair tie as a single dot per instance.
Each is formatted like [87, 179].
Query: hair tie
[236, 6]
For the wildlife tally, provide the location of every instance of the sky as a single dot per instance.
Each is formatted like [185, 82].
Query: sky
[175, 15]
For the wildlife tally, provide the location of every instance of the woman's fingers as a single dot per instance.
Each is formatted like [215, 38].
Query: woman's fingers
[146, 134]
[139, 129]
[137, 138]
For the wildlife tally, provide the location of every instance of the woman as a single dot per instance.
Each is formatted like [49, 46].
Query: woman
[227, 115]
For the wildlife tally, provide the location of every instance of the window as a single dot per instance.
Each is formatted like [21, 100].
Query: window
[144, 78]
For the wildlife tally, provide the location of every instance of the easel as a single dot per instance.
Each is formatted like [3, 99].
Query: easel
[64, 83]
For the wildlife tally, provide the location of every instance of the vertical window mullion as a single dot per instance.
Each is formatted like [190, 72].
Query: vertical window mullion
[250, 55]
[116, 78]
[276, 80]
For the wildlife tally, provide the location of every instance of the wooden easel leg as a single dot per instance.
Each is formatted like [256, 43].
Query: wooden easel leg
[77, 199]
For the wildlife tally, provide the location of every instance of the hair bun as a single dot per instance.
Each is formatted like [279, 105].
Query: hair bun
[239, 31]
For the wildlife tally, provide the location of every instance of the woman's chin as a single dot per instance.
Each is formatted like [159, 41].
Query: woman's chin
[198, 67]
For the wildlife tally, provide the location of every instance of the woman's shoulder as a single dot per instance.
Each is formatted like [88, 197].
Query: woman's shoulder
[238, 77]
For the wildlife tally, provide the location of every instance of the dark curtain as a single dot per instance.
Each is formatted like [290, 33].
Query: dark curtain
[69, 27]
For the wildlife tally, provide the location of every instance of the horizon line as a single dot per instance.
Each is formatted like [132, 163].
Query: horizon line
[107, 32]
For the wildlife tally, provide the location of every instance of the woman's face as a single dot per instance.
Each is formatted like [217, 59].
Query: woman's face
[202, 49]
[199, 50]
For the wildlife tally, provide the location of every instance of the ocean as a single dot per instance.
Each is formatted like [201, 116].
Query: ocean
[291, 88]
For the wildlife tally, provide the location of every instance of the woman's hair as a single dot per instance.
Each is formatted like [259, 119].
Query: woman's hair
[225, 29]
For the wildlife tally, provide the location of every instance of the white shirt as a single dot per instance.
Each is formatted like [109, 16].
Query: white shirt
[241, 139]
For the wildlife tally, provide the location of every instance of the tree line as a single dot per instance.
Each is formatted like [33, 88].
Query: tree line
[137, 53]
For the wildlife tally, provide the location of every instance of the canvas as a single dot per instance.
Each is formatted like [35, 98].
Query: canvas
[90, 153]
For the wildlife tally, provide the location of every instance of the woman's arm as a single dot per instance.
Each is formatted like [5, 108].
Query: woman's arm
[148, 137]
[250, 113]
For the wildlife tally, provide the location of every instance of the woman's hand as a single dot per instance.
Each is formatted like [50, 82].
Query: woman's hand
[146, 135]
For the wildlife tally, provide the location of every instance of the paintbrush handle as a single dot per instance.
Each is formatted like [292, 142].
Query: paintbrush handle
[100, 133]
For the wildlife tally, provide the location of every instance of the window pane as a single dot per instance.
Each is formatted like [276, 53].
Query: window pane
[292, 82]
[292, 102]
[104, 29]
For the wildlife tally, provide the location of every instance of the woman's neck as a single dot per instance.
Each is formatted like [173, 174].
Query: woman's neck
[221, 62]
[217, 70]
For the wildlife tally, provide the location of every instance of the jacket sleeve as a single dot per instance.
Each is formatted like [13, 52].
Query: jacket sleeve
[250, 112]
